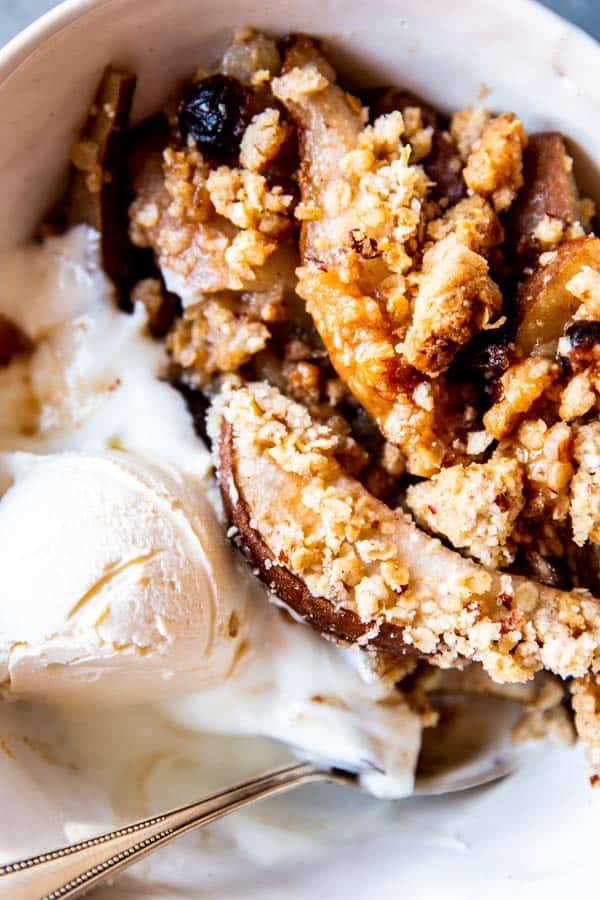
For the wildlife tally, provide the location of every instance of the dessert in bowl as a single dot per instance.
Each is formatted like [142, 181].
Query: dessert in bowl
[388, 315]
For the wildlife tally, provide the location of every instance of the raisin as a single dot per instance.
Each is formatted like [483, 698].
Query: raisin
[486, 356]
[215, 113]
[582, 336]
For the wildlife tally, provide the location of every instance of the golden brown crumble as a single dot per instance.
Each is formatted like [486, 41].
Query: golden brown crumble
[474, 506]
[474, 223]
[456, 299]
[585, 486]
[214, 337]
[466, 128]
[262, 140]
[244, 198]
[522, 385]
[546, 456]
[495, 165]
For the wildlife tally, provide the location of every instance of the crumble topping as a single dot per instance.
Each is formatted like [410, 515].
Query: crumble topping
[474, 506]
[296, 84]
[585, 486]
[466, 128]
[456, 298]
[244, 198]
[262, 140]
[546, 455]
[473, 222]
[214, 337]
[495, 165]
[522, 385]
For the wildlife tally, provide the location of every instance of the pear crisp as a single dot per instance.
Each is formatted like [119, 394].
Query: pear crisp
[392, 317]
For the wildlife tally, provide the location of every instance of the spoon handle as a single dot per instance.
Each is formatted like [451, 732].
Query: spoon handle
[71, 870]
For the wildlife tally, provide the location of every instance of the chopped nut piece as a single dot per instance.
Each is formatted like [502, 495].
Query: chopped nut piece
[578, 397]
[546, 454]
[522, 385]
[495, 165]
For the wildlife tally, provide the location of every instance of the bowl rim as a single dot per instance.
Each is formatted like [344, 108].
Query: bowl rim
[34, 36]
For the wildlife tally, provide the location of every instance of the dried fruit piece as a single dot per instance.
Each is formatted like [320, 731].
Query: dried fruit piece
[214, 113]
[580, 340]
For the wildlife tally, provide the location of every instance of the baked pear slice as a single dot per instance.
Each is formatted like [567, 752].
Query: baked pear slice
[391, 319]
[97, 190]
[361, 572]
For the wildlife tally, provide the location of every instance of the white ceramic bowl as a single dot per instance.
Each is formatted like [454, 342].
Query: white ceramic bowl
[534, 835]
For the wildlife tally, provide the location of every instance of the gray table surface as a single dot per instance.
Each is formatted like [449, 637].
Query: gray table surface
[16, 14]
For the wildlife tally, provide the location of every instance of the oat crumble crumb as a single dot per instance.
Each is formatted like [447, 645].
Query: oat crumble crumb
[494, 168]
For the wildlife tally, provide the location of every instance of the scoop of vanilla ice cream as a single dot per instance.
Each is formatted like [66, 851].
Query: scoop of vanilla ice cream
[117, 583]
